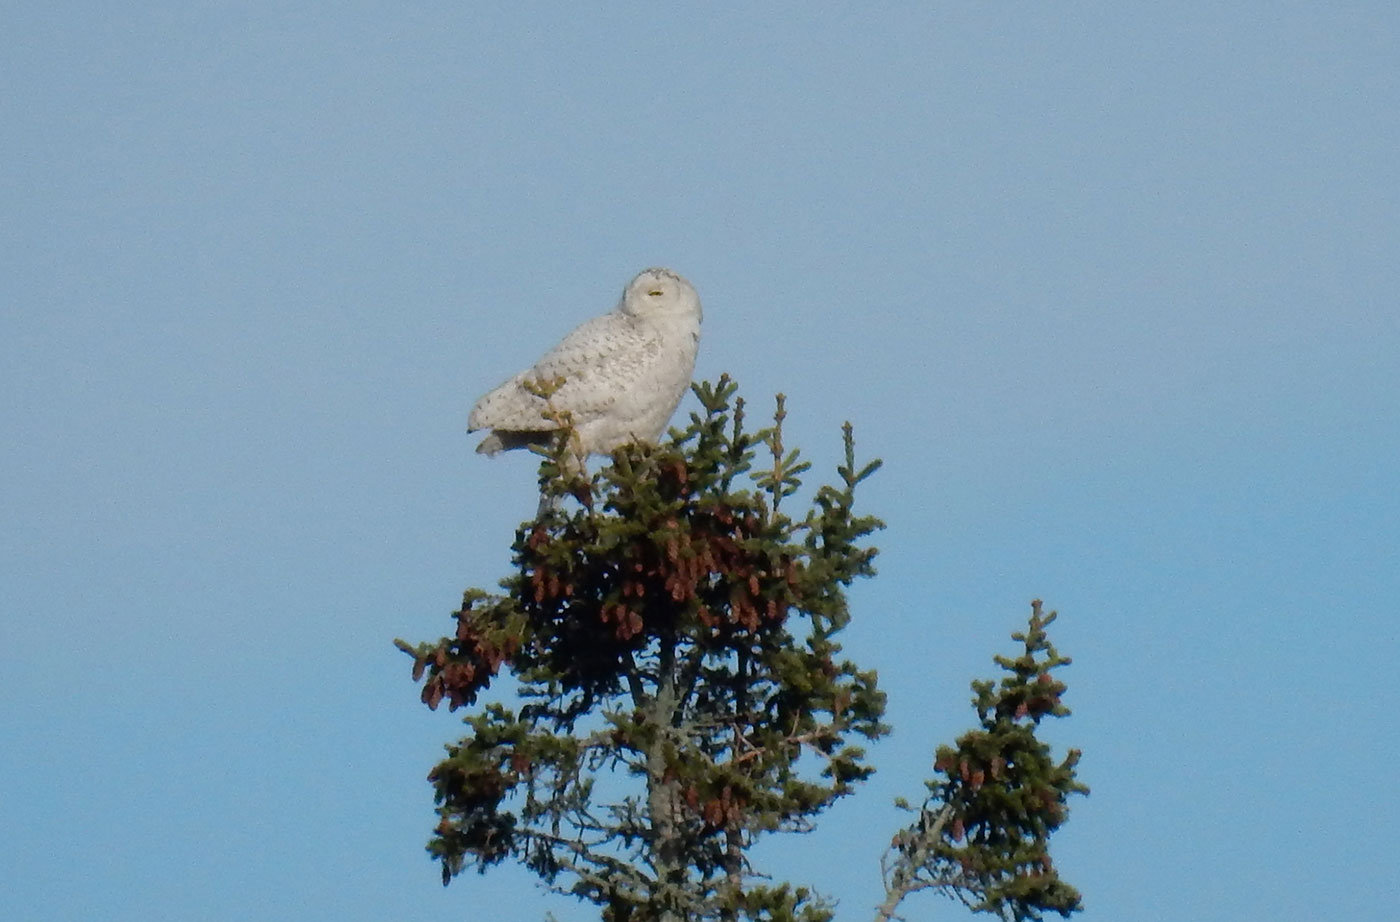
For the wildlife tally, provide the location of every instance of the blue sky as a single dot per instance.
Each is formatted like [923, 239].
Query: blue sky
[1112, 288]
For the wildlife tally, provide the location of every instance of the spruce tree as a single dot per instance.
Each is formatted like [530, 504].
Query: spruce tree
[982, 834]
[679, 692]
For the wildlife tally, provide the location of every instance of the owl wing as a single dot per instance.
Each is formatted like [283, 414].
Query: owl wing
[599, 361]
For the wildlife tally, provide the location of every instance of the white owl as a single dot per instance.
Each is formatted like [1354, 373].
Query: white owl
[623, 374]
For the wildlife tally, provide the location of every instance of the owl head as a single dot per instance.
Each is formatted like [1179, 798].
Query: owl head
[660, 292]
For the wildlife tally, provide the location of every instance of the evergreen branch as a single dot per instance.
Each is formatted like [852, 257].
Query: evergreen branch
[901, 876]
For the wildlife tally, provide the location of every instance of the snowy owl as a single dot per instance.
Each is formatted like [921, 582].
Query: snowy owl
[623, 374]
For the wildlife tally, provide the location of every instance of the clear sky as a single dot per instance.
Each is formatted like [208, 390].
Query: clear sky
[1113, 288]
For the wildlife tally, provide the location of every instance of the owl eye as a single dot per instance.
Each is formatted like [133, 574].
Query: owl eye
[656, 292]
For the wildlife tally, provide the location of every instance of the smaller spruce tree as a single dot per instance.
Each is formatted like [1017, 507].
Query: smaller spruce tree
[982, 834]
